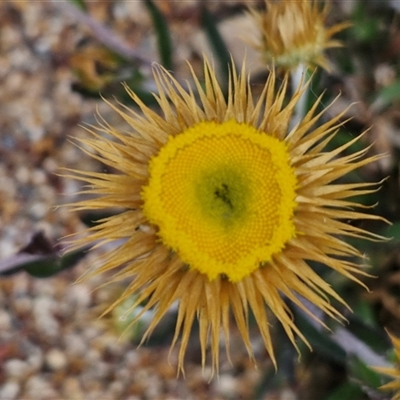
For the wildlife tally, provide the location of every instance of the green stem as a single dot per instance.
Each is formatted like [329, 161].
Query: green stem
[298, 81]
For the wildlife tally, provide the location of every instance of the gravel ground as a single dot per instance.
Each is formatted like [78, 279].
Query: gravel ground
[52, 345]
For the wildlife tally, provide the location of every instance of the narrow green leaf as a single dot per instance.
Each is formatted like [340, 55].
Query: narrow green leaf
[393, 231]
[163, 34]
[320, 340]
[390, 93]
[71, 258]
[347, 391]
[217, 43]
[363, 324]
[365, 27]
[272, 379]
[53, 264]
[80, 3]
[48, 266]
[364, 374]
[386, 96]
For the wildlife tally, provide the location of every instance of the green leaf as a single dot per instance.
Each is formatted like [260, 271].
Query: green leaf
[80, 3]
[137, 82]
[364, 374]
[386, 96]
[123, 316]
[320, 340]
[365, 27]
[347, 391]
[363, 324]
[271, 380]
[53, 264]
[44, 268]
[393, 231]
[71, 258]
[217, 43]
[163, 34]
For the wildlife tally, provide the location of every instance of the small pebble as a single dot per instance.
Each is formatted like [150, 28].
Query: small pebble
[10, 390]
[16, 368]
[5, 320]
[56, 359]
[71, 388]
[23, 175]
[35, 357]
[23, 305]
[38, 177]
[226, 386]
[75, 345]
[38, 210]
[79, 295]
[39, 388]
[116, 389]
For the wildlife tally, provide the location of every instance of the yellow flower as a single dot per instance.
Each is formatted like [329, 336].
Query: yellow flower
[224, 205]
[294, 32]
[393, 372]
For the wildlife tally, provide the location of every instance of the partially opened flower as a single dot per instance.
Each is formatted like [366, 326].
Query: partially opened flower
[394, 372]
[224, 207]
[295, 32]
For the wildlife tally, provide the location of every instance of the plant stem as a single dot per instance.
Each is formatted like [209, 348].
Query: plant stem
[298, 81]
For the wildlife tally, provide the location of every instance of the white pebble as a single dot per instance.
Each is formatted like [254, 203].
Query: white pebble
[227, 386]
[75, 345]
[100, 370]
[45, 290]
[16, 368]
[79, 295]
[9, 390]
[35, 358]
[116, 389]
[56, 359]
[38, 177]
[7, 246]
[38, 210]
[71, 388]
[5, 321]
[93, 356]
[23, 305]
[154, 390]
[288, 394]
[48, 325]
[124, 375]
[45, 322]
[38, 388]
[22, 175]
[132, 358]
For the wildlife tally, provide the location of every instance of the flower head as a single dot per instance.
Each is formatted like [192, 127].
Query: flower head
[393, 372]
[294, 32]
[224, 207]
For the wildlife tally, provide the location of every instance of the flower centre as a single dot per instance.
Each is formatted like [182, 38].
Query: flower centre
[221, 194]
[223, 197]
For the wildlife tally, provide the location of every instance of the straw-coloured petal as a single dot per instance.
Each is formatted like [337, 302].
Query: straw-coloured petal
[294, 32]
[394, 385]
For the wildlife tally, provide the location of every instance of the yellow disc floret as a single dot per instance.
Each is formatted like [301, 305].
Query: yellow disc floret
[223, 197]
